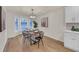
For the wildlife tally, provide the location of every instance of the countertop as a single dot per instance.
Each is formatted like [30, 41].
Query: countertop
[71, 31]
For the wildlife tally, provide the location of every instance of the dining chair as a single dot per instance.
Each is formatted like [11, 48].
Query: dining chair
[38, 38]
[41, 35]
[26, 36]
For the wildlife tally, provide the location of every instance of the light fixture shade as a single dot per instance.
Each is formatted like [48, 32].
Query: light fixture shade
[32, 16]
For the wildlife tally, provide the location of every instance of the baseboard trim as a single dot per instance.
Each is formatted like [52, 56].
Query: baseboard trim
[54, 37]
[60, 42]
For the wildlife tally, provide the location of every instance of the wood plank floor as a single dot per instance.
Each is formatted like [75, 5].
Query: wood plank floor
[50, 45]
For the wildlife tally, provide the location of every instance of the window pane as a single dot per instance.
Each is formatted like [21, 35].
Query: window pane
[16, 23]
[23, 24]
[30, 24]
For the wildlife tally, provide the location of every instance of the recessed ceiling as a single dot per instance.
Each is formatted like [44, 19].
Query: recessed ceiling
[26, 10]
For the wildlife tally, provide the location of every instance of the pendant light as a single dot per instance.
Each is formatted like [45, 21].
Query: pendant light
[32, 15]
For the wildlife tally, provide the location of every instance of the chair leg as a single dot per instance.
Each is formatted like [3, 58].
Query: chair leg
[24, 40]
[38, 44]
[30, 42]
[42, 42]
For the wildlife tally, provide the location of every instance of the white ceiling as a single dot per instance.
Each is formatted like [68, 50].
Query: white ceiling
[26, 10]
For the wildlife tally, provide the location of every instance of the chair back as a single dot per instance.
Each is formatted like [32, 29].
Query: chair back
[26, 34]
[41, 33]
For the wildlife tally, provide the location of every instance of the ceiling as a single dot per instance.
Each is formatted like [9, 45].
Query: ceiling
[26, 10]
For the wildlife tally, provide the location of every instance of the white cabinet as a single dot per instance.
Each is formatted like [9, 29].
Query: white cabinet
[72, 14]
[71, 40]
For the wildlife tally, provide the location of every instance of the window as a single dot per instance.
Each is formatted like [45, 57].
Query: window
[30, 24]
[16, 24]
[23, 24]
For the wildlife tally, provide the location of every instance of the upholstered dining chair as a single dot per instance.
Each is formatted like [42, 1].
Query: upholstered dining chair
[41, 34]
[26, 36]
[39, 38]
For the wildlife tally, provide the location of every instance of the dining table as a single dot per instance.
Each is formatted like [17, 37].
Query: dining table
[34, 35]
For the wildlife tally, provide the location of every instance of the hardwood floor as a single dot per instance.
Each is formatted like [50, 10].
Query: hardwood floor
[50, 45]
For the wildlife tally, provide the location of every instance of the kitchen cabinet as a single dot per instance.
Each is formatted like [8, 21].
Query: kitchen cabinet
[72, 14]
[71, 40]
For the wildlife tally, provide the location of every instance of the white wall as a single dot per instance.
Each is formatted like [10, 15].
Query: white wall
[55, 24]
[11, 24]
[3, 40]
[3, 36]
